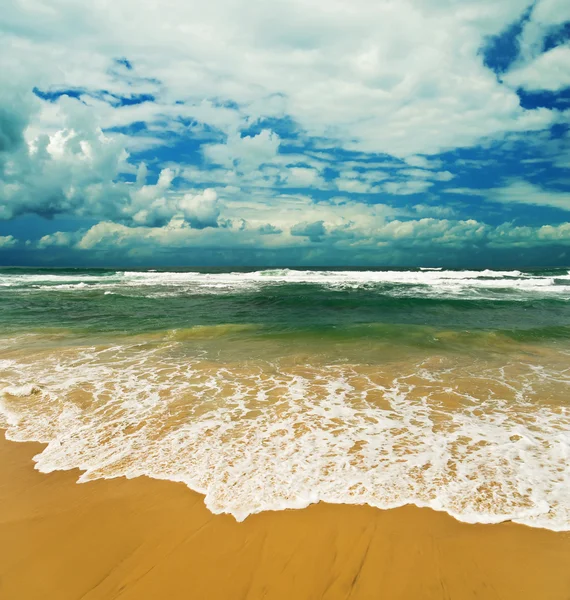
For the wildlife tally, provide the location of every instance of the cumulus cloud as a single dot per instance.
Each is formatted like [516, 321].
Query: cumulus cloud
[77, 170]
[269, 229]
[509, 236]
[402, 78]
[201, 210]
[156, 204]
[434, 231]
[302, 177]
[69, 171]
[402, 237]
[244, 152]
[314, 231]
[58, 238]
[7, 241]
[237, 110]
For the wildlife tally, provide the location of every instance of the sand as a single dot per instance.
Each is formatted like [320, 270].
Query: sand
[144, 539]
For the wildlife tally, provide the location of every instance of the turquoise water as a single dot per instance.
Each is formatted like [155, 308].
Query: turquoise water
[524, 305]
[274, 389]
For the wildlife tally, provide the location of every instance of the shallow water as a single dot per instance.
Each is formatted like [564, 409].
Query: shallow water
[274, 389]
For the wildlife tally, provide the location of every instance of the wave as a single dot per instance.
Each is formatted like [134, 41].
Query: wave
[438, 283]
[212, 331]
[478, 441]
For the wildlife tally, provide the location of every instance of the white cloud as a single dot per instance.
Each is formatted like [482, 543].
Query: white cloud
[353, 183]
[341, 225]
[424, 174]
[406, 188]
[302, 177]
[113, 235]
[396, 234]
[421, 162]
[245, 153]
[7, 241]
[402, 78]
[76, 170]
[67, 172]
[428, 231]
[549, 71]
[545, 16]
[59, 238]
[527, 237]
[201, 210]
[519, 192]
[526, 193]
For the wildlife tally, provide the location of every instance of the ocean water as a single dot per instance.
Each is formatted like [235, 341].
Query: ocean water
[277, 388]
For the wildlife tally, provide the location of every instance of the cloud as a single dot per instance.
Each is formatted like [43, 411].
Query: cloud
[59, 238]
[314, 231]
[523, 192]
[528, 237]
[69, 171]
[549, 71]
[302, 177]
[269, 229]
[201, 210]
[421, 162]
[424, 174]
[348, 232]
[545, 17]
[397, 236]
[400, 78]
[157, 204]
[12, 125]
[434, 210]
[406, 188]
[112, 235]
[247, 152]
[428, 231]
[311, 125]
[7, 241]
[77, 170]
[519, 192]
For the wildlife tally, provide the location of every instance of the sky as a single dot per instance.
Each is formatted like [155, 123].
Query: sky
[285, 132]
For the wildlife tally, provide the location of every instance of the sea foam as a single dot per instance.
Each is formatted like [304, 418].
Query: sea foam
[484, 442]
[425, 282]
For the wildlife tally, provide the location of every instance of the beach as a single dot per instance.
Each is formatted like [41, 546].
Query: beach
[284, 434]
[285, 300]
[145, 539]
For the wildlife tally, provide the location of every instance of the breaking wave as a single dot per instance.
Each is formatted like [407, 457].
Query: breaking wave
[433, 282]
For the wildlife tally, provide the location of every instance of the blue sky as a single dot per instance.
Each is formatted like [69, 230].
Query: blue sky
[432, 132]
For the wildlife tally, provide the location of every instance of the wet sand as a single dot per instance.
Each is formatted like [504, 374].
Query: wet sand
[144, 539]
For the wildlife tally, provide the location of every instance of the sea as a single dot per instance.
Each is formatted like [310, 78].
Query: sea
[273, 389]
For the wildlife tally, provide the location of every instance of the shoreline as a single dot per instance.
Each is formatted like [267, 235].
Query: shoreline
[145, 539]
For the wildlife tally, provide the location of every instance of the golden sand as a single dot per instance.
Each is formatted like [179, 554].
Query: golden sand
[143, 539]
